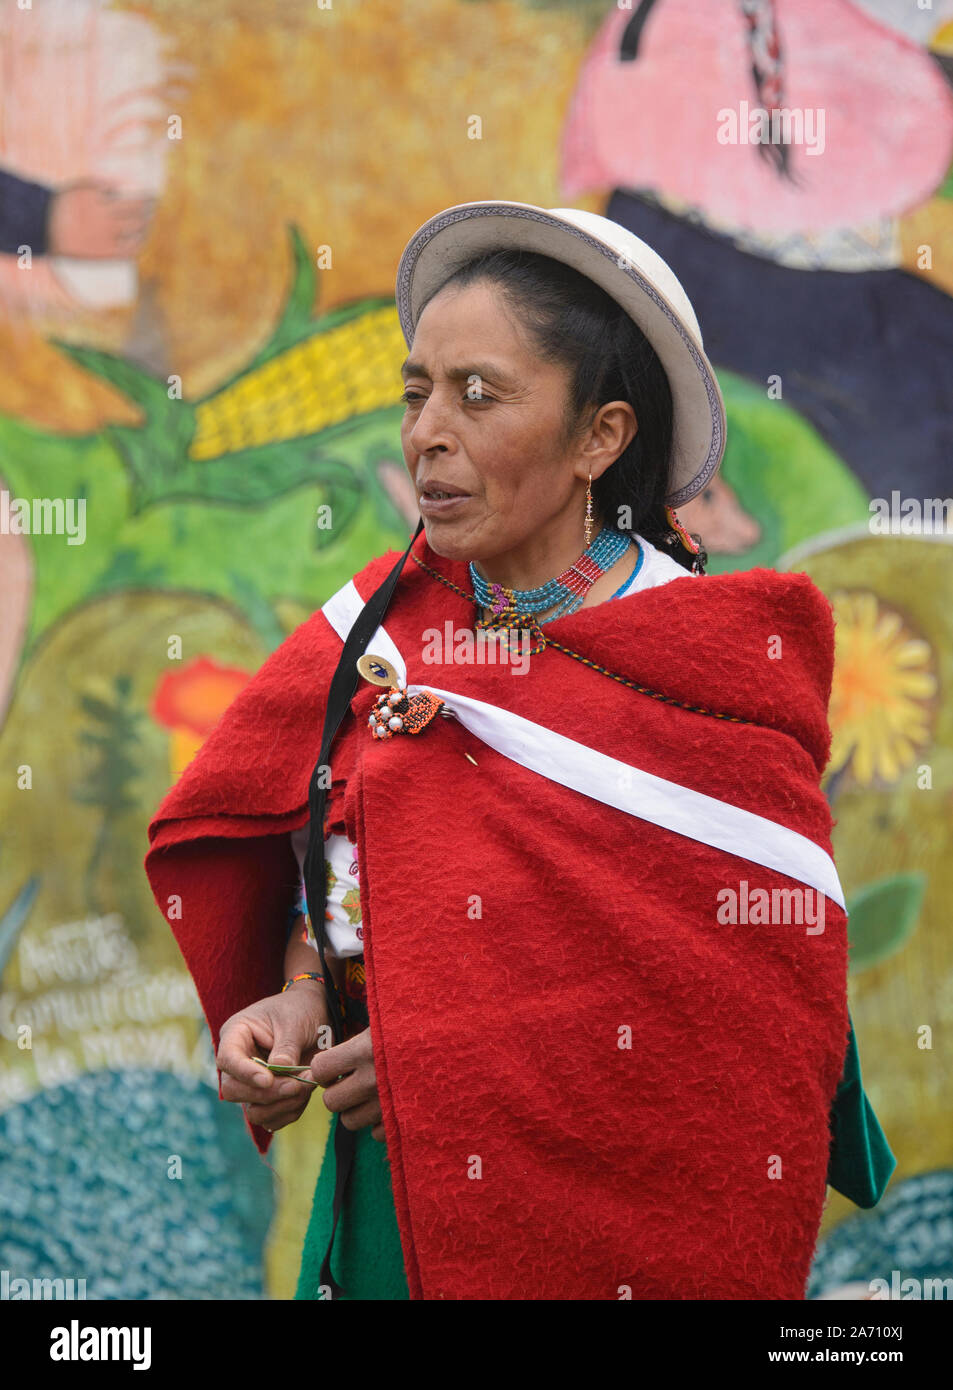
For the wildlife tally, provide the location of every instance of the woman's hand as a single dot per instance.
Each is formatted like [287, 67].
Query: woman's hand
[283, 1028]
[354, 1096]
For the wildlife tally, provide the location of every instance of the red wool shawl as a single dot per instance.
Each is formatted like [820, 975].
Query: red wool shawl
[591, 1086]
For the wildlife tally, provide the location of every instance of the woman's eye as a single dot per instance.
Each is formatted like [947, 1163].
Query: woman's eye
[411, 397]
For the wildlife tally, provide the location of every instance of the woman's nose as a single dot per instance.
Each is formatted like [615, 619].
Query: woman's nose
[430, 427]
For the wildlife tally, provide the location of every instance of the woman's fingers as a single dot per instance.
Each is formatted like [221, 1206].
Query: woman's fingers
[355, 1089]
[360, 1116]
[279, 1088]
[237, 1045]
[283, 1028]
[274, 1117]
[350, 1081]
[329, 1063]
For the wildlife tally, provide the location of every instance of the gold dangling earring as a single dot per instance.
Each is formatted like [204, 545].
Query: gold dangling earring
[589, 510]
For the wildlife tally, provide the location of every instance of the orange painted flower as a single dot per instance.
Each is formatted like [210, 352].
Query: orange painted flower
[191, 701]
[884, 690]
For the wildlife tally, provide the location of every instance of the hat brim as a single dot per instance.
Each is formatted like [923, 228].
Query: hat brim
[459, 233]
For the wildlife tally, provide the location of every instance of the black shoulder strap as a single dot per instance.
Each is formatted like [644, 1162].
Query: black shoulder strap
[343, 686]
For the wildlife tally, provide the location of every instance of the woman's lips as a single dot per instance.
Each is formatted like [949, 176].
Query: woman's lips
[439, 506]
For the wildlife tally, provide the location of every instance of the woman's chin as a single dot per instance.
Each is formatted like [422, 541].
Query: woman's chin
[449, 539]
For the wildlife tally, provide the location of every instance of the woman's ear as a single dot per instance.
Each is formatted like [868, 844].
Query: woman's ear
[613, 428]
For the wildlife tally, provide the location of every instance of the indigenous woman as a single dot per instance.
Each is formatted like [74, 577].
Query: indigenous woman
[573, 982]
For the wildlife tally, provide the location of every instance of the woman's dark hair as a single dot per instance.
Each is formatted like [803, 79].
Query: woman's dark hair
[573, 322]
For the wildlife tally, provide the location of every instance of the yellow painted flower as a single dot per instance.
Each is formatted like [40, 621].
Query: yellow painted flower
[884, 688]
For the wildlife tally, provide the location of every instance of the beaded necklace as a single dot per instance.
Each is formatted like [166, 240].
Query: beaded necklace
[567, 590]
[544, 641]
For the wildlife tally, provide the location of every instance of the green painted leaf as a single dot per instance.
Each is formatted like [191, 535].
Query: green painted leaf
[138, 385]
[297, 323]
[882, 916]
[296, 320]
[251, 477]
[97, 708]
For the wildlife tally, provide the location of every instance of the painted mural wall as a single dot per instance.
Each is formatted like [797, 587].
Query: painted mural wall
[201, 213]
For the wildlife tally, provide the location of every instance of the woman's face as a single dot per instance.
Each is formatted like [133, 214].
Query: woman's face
[484, 418]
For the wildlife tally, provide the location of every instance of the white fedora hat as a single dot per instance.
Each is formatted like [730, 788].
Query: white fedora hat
[625, 267]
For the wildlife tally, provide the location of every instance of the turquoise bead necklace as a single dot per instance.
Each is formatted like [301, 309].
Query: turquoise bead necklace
[568, 590]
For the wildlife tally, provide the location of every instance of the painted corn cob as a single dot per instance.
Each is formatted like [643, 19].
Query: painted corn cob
[280, 421]
[336, 374]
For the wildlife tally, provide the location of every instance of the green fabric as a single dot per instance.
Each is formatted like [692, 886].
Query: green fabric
[366, 1261]
[861, 1160]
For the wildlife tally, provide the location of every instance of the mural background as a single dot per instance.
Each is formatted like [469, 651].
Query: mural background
[201, 212]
